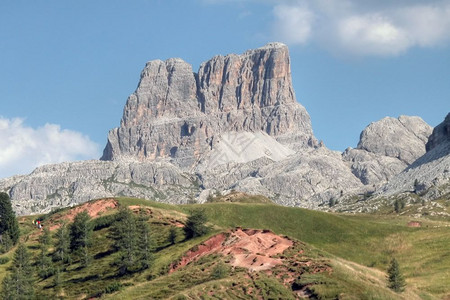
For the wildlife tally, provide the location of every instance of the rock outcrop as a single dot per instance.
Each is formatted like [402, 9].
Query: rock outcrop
[440, 135]
[177, 114]
[67, 184]
[430, 174]
[387, 147]
[403, 138]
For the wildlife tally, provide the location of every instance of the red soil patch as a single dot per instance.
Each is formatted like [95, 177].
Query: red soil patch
[208, 247]
[94, 209]
[414, 224]
[251, 249]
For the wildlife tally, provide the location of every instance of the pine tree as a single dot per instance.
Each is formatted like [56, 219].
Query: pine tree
[125, 235]
[195, 224]
[19, 285]
[144, 242]
[43, 262]
[57, 281]
[85, 256]
[46, 238]
[80, 231]
[396, 281]
[8, 221]
[8, 291]
[81, 237]
[62, 246]
[6, 243]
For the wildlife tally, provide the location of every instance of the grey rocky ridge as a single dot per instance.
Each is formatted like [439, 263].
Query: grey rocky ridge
[387, 147]
[234, 124]
[427, 178]
[430, 174]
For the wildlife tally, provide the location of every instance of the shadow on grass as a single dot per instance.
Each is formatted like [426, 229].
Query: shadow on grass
[84, 279]
[103, 254]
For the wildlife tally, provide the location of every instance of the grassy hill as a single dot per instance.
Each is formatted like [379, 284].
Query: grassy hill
[333, 256]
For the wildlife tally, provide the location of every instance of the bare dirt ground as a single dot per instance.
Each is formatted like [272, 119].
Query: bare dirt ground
[94, 209]
[248, 248]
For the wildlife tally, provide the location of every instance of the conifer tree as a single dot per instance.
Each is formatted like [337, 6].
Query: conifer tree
[124, 233]
[43, 262]
[57, 281]
[19, 284]
[195, 224]
[46, 238]
[396, 282]
[80, 231]
[8, 222]
[62, 246]
[144, 242]
[81, 237]
[6, 243]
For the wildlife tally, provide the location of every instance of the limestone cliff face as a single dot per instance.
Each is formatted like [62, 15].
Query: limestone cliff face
[387, 147]
[175, 113]
[403, 138]
[67, 184]
[440, 135]
[429, 175]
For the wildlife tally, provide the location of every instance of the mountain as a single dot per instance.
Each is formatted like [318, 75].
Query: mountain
[387, 147]
[233, 125]
[429, 175]
[178, 114]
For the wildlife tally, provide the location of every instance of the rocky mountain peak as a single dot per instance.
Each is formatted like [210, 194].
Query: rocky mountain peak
[178, 114]
[234, 125]
[386, 147]
[429, 175]
[403, 137]
[440, 135]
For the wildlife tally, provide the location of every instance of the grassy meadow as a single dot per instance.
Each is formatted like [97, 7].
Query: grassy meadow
[355, 249]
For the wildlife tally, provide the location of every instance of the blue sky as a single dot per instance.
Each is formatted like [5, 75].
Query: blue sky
[67, 67]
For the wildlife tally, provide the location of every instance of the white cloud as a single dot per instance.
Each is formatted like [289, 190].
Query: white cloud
[362, 27]
[293, 23]
[371, 35]
[23, 148]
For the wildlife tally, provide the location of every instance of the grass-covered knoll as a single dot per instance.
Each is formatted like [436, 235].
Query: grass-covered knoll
[352, 252]
[306, 272]
[367, 239]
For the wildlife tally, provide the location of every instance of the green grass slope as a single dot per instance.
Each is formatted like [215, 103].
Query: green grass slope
[351, 253]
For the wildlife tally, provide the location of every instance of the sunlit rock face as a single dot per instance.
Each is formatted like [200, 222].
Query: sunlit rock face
[178, 114]
[386, 147]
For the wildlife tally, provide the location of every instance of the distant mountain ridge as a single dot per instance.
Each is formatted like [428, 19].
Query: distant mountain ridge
[430, 174]
[233, 125]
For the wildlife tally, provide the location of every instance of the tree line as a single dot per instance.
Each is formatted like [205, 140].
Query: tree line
[71, 243]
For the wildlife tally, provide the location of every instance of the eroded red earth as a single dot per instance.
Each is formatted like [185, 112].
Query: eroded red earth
[247, 248]
[94, 209]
